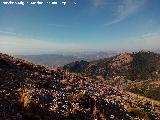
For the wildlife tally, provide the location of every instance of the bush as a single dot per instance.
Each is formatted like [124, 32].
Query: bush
[135, 112]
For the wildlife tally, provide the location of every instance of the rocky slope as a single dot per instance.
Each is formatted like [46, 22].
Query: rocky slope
[35, 92]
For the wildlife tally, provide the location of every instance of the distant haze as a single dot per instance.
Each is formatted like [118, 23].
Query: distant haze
[57, 60]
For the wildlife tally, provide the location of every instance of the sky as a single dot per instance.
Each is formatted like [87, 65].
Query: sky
[79, 25]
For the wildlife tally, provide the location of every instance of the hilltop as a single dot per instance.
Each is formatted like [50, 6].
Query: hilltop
[132, 66]
[35, 92]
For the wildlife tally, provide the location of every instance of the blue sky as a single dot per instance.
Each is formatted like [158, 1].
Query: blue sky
[88, 25]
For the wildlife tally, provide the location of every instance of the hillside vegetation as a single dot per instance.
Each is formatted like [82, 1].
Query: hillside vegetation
[133, 66]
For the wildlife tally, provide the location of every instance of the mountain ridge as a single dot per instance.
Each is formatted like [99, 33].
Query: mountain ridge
[130, 65]
[61, 59]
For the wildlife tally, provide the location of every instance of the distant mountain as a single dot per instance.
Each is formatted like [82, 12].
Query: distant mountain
[53, 60]
[90, 56]
[157, 51]
[57, 60]
[139, 65]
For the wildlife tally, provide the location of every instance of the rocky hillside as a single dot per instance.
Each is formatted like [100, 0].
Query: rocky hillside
[141, 65]
[148, 88]
[35, 92]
